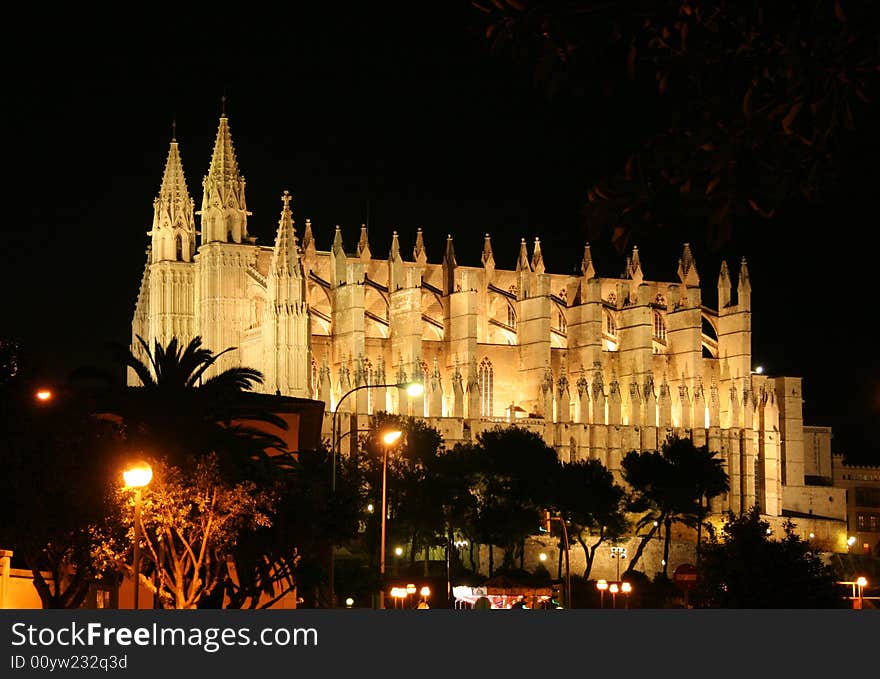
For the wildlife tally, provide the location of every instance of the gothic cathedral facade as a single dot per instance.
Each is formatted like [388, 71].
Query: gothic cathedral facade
[597, 366]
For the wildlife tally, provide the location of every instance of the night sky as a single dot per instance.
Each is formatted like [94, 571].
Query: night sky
[398, 118]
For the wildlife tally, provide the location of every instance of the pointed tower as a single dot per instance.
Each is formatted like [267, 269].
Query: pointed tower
[533, 308]
[224, 312]
[363, 248]
[173, 236]
[448, 266]
[171, 272]
[723, 287]
[420, 255]
[734, 338]
[484, 297]
[347, 298]
[309, 250]
[224, 210]
[744, 287]
[286, 334]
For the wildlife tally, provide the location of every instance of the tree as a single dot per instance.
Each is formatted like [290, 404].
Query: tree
[181, 415]
[511, 480]
[191, 520]
[745, 567]
[417, 500]
[673, 485]
[59, 463]
[733, 111]
[592, 505]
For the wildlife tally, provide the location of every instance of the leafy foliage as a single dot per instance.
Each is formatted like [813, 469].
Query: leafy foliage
[671, 485]
[592, 504]
[177, 414]
[734, 110]
[58, 464]
[745, 567]
[191, 521]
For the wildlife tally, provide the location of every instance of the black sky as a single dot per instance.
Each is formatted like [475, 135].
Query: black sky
[399, 117]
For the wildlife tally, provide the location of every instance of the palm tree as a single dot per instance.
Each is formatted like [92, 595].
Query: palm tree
[178, 414]
[673, 485]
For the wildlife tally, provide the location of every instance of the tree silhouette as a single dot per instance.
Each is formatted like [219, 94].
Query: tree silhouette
[669, 486]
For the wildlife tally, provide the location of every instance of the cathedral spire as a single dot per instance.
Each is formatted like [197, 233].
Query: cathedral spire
[363, 248]
[448, 266]
[338, 260]
[522, 262]
[285, 255]
[687, 267]
[173, 233]
[635, 269]
[487, 258]
[537, 258]
[420, 255]
[224, 210]
[395, 265]
[744, 286]
[723, 287]
[587, 268]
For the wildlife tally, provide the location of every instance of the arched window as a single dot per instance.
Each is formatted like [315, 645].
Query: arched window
[659, 327]
[561, 322]
[487, 378]
[511, 316]
[178, 246]
[610, 325]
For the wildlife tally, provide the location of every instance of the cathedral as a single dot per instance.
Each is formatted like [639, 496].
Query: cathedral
[598, 366]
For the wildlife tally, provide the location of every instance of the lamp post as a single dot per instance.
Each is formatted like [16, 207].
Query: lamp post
[602, 585]
[413, 389]
[137, 477]
[618, 553]
[614, 589]
[862, 582]
[390, 439]
[626, 588]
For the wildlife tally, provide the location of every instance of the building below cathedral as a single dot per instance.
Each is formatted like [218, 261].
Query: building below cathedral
[598, 366]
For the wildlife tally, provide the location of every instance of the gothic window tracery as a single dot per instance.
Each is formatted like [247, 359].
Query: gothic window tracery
[659, 327]
[486, 376]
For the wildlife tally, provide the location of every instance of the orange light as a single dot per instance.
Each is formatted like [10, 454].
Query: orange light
[44, 395]
[391, 437]
[138, 476]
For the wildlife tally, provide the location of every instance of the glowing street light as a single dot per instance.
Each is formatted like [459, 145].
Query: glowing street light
[413, 389]
[602, 585]
[861, 582]
[137, 477]
[389, 438]
[43, 395]
[614, 588]
[626, 588]
[542, 556]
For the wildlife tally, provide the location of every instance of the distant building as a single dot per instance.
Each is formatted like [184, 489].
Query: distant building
[862, 485]
[598, 366]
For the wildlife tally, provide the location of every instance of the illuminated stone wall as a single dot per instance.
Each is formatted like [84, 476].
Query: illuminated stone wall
[597, 366]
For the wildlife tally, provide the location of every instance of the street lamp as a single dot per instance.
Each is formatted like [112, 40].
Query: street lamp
[43, 395]
[626, 588]
[618, 553]
[389, 438]
[137, 477]
[862, 582]
[602, 585]
[614, 589]
[413, 389]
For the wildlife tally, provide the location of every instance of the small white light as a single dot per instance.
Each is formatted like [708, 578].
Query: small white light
[759, 369]
[398, 550]
[542, 556]
[370, 507]
[349, 602]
